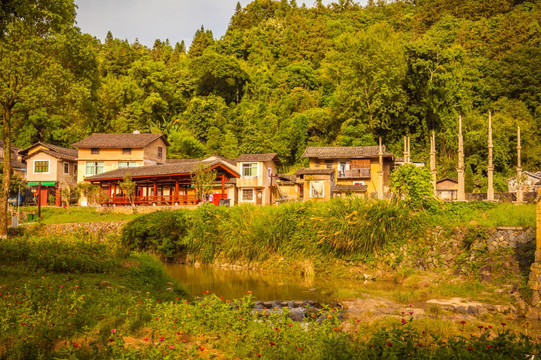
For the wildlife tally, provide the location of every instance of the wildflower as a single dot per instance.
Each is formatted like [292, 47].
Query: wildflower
[480, 326]
[171, 347]
[201, 348]
[113, 331]
[111, 340]
[329, 316]
[371, 346]
[248, 292]
[276, 329]
[410, 312]
[403, 321]
[177, 299]
[61, 286]
[272, 343]
[389, 344]
[23, 324]
[469, 348]
[462, 322]
[290, 325]
[423, 332]
[75, 345]
[145, 339]
[410, 305]
[489, 346]
[490, 326]
[503, 324]
[179, 333]
[258, 355]
[162, 338]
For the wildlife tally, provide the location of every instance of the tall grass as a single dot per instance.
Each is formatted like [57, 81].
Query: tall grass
[344, 228]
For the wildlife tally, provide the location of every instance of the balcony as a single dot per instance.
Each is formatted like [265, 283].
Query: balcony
[360, 173]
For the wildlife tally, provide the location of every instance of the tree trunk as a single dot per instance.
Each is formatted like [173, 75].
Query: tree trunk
[6, 180]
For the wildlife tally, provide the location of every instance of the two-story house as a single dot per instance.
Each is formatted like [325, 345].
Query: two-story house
[101, 153]
[256, 178]
[344, 170]
[49, 168]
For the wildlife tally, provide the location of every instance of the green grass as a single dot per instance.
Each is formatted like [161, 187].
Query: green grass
[59, 215]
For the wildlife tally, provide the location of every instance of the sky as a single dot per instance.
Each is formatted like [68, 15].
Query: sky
[148, 20]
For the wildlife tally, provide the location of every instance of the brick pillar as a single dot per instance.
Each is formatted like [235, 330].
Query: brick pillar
[535, 271]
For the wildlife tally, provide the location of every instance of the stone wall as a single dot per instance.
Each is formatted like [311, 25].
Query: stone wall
[96, 228]
[501, 197]
[511, 237]
[141, 209]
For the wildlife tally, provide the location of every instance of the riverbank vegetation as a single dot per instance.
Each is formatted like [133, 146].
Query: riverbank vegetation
[347, 229]
[79, 297]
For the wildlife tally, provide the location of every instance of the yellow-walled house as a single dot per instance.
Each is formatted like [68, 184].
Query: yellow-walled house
[345, 170]
[49, 167]
[257, 172]
[101, 153]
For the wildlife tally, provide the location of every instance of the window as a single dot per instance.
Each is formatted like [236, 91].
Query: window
[94, 151]
[328, 164]
[160, 151]
[317, 189]
[249, 170]
[126, 151]
[66, 168]
[75, 168]
[94, 168]
[41, 167]
[342, 167]
[247, 194]
[126, 164]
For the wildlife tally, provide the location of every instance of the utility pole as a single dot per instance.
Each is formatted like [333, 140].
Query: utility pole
[433, 170]
[380, 172]
[520, 195]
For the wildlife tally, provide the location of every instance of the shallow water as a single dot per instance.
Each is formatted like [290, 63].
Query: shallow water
[231, 283]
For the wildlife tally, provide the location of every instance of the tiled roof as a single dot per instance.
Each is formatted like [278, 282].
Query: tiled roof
[260, 157]
[334, 152]
[15, 164]
[154, 170]
[53, 150]
[180, 161]
[313, 172]
[119, 141]
[350, 188]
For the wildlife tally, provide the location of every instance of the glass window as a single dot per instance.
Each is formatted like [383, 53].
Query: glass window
[41, 166]
[160, 151]
[249, 170]
[126, 164]
[247, 194]
[94, 151]
[126, 151]
[317, 189]
[94, 168]
[66, 168]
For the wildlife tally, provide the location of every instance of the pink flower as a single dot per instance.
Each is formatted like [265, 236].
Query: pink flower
[403, 321]
[489, 346]
[113, 331]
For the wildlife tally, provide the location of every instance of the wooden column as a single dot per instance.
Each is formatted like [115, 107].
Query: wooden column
[223, 186]
[176, 192]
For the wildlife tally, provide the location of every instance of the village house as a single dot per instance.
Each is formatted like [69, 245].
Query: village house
[17, 163]
[530, 182]
[49, 168]
[101, 153]
[344, 170]
[255, 185]
[447, 189]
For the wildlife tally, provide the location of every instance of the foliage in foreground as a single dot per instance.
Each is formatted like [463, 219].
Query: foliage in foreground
[351, 228]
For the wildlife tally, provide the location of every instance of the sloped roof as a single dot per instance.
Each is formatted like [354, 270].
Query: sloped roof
[53, 150]
[117, 141]
[157, 170]
[334, 152]
[447, 179]
[536, 175]
[350, 188]
[15, 164]
[260, 158]
[313, 172]
[180, 161]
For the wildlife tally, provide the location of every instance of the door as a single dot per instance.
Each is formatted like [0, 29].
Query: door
[259, 197]
[43, 196]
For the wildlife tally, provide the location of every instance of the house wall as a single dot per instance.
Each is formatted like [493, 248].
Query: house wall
[150, 153]
[110, 158]
[260, 182]
[371, 183]
[52, 175]
[326, 187]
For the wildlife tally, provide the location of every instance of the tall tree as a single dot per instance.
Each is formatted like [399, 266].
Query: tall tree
[32, 73]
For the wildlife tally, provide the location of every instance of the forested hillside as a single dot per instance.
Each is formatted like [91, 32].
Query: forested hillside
[286, 76]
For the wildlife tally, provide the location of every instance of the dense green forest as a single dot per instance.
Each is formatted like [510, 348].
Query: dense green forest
[286, 76]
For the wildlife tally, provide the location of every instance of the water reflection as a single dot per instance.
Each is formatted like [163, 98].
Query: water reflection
[264, 286]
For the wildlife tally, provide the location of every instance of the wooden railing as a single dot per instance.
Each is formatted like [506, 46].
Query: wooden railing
[151, 200]
[360, 173]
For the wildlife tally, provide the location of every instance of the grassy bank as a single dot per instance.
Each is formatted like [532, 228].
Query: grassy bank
[85, 298]
[59, 215]
[350, 229]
